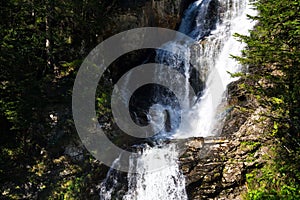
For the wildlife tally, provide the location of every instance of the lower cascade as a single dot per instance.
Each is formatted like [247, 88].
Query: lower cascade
[166, 180]
[154, 172]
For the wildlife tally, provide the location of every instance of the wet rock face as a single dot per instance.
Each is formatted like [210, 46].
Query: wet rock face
[215, 168]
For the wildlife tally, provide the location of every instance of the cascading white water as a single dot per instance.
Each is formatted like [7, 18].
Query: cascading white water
[215, 63]
[211, 57]
[154, 174]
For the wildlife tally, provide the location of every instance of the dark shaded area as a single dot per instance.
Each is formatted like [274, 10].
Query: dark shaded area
[148, 95]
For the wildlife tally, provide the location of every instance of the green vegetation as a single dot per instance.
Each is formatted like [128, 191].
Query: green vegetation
[42, 46]
[273, 57]
[278, 179]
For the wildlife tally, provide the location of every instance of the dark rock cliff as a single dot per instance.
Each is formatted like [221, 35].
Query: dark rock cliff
[127, 15]
[144, 13]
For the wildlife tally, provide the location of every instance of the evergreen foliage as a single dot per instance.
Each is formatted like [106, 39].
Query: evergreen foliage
[273, 57]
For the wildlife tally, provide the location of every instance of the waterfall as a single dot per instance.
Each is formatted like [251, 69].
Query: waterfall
[154, 172]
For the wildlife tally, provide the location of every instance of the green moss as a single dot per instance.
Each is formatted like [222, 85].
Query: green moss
[249, 145]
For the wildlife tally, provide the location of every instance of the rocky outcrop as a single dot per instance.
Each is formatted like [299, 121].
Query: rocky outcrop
[216, 167]
[143, 13]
